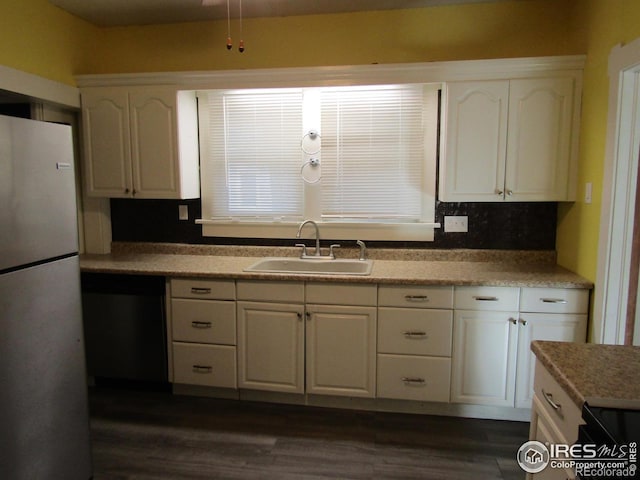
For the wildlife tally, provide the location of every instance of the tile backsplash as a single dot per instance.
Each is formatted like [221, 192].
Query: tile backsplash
[500, 226]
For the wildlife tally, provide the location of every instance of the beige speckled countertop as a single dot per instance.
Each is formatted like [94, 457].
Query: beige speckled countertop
[601, 375]
[417, 267]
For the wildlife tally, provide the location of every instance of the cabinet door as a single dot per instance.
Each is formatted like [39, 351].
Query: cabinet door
[484, 357]
[107, 157]
[154, 148]
[542, 326]
[473, 156]
[540, 137]
[341, 350]
[271, 347]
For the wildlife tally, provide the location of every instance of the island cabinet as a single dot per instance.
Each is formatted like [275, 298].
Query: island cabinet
[493, 331]
[414, 342]
[271, 347]
[202, 332]
[140, 142]
[511, 140]
[555, 419]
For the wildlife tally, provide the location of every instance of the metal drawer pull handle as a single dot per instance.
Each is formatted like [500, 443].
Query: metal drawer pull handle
[202, 369]
[418, 380]
[200, 290]
[199, 324]
[549, 398]
[554, 300]
[523, 322]
[485, 299]
[414, 334]
[416, 298]
[513, 320]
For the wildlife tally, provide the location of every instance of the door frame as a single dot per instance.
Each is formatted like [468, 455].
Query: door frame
[618, 195]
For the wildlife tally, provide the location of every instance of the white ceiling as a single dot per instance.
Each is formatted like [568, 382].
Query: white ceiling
[143, 12]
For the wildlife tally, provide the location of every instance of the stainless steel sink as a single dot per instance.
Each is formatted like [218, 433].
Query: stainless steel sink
[312, 266]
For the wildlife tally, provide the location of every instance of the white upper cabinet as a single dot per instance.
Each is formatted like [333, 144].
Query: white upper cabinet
[140, 142]
[472, 162]
[510, 140]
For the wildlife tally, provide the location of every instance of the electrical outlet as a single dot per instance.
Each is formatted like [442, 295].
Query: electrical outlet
[456, 224]
[183, 212]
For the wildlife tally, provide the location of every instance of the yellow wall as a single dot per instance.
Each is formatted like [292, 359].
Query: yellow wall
[38, 38]
[606, 23]
[472, 31]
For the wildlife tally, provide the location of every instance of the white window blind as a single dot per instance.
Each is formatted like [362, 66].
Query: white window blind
[372, 152]
[252, 152]
[375, 172]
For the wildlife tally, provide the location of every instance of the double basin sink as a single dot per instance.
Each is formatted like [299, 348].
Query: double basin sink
[311, 266]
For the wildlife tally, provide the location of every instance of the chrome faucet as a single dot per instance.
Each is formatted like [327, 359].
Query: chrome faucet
[304, 250]
[317, 254]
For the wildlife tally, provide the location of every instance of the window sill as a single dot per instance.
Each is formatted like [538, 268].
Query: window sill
[328, 230]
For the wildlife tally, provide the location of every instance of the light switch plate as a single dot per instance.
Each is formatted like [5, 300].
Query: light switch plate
[587, 192]
[456, 223]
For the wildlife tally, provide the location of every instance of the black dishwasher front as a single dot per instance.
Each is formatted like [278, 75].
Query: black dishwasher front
[125, 327]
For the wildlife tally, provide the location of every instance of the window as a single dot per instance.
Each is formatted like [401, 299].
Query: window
[359, 160]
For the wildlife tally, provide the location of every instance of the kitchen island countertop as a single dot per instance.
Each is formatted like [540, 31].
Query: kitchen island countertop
[601, 375]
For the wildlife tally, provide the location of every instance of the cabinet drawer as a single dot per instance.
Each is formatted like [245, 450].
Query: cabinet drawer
[341, 294]
[209, 365]
[413, 331]
[271, 291]
[544, 431]
[208, 289]
[418, 297]
[486, 298]
[554, 300]
[203, 321]
[413, 378]
[557, 404]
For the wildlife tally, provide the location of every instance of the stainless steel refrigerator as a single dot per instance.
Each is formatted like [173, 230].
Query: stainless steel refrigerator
[44, 424]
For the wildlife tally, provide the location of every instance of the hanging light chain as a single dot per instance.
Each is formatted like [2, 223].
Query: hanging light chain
[241, 44]
[229, 41]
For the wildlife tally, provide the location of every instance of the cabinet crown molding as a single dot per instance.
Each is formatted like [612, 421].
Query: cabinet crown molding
[431, 72]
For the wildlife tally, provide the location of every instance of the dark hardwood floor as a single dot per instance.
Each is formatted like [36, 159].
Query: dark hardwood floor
[156, 435]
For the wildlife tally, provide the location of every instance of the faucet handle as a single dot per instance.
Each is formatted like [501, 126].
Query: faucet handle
[331, 252]
[304, 249]
[363, 249]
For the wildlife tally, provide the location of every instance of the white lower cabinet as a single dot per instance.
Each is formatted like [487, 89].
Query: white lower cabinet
[341, 350]
[288, 344]
[341, 339]
[202, 333]
[484, 357]
[271, 346]
[414, 342]
[492, 360]
[463, 345]
[271, 336]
